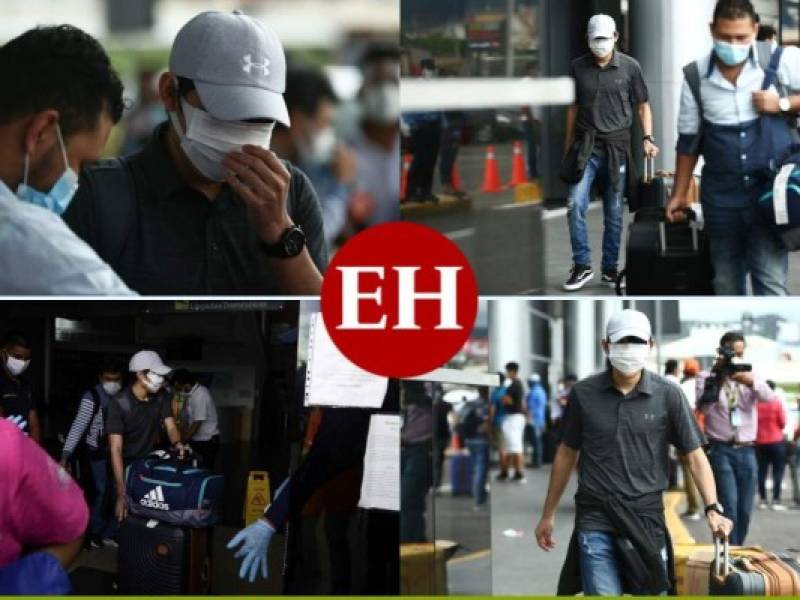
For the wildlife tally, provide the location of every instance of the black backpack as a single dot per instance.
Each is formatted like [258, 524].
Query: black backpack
[469, 421]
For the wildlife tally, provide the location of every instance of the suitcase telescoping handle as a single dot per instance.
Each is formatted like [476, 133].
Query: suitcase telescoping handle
[721, 565]
[649, 168]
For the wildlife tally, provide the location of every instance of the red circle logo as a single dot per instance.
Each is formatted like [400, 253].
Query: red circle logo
[399, 299]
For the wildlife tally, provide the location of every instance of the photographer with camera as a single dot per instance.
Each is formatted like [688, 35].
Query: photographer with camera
[727, 397]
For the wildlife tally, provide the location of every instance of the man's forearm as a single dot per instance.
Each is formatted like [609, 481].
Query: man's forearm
[297, 276]
[646, 117]
[117, 468]
[34, 428]
[684, 171]
[563, 465]
[65, 553]
[703, 475]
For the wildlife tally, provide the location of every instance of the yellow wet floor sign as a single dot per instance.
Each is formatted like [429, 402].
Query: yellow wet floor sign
[257, 498]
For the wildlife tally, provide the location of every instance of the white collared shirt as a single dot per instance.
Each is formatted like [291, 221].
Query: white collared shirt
[41, 255]
[201, 408]
[725, 103]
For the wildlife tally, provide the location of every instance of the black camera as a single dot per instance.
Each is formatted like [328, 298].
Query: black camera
[728, 364]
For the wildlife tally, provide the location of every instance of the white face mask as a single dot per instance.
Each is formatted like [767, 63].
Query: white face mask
[628, 358]
[207, 140]
[112, 387]
[320, 150]
[153, 382]
[16, 366]
[380, 103]
[601, 47]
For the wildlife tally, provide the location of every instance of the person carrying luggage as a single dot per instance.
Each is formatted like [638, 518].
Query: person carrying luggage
[89, 427]
[610, 89]
[135, 417]
[621, 423]
[736, 111]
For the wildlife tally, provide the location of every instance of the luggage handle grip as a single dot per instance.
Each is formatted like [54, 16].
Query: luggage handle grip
[721, 566]
[691, 217]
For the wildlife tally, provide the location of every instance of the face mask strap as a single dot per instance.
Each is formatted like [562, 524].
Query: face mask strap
[63, 146]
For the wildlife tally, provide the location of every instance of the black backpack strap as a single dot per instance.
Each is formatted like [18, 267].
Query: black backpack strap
[114, 190]
[692, 74]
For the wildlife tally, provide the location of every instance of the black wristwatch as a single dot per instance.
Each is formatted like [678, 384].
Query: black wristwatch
[716, 507]
[291, 243]
[649, 138]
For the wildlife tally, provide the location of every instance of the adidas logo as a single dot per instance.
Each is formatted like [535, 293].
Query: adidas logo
[154, 499]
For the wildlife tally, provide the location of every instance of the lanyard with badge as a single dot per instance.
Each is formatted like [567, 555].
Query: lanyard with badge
[731, 391]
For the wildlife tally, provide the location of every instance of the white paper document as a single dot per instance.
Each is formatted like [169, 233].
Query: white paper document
[332, 380]
[380, 487]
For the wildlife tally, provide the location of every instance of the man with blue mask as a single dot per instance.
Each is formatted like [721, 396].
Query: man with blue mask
[59, 99]
[738, 107]
[618, 428]
[206, 207]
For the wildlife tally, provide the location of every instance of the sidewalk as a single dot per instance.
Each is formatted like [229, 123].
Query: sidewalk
[519, 567]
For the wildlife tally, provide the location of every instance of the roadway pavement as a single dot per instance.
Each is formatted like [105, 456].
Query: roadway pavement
[459, 225]
[519, 567]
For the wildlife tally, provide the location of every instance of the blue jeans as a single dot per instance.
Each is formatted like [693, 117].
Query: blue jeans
[736, 474]
[102, 520]
[601, 574]
[536, 441]
[416, 478]
[479, 451]
[741, 244]
[578, 203]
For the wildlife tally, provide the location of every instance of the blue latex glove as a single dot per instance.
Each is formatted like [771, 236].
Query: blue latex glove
[19, 421]
[255, 540]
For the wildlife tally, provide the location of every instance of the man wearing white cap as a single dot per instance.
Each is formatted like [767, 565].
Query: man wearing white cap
[206, 207]
[621, 423]
[610, 89]
[135, 416]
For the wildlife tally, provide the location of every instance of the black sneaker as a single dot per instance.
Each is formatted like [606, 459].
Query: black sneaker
[578, 277]
[502, 477]
[610, 278]
[519, 478]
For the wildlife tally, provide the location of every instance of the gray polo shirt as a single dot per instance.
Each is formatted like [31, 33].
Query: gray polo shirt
[624, 440]
[608, 97]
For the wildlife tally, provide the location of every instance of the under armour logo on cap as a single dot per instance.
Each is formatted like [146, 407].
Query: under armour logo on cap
[248, 64]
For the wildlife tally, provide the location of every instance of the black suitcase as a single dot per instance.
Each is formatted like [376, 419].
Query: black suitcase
[652, 191]
[665, 259]
[160, 559]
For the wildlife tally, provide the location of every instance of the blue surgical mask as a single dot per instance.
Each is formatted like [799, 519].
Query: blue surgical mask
[731, 54]
[60, 195]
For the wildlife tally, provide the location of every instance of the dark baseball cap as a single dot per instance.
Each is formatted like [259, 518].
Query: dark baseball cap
[237, 65]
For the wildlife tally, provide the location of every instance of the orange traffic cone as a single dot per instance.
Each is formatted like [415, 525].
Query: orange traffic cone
[491, 174]
[519, 174]
[407, 158]
[455, 179]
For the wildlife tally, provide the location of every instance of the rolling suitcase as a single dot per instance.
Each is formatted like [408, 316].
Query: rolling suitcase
[763, 574]
[160, 559]
[461, 474]
[652, 191]
[665, 259]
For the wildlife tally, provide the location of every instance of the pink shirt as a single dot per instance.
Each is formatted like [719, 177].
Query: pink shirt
[40, 504]
[718, 425]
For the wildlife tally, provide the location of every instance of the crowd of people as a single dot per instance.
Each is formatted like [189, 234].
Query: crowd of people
[123, 416]
[234, 181]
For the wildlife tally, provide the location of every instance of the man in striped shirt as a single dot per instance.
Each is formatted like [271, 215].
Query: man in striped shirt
[89, 424]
